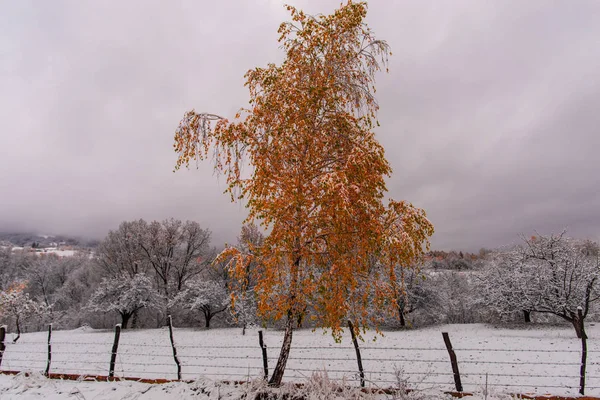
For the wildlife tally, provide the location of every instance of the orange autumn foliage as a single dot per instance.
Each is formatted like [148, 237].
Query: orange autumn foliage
[317, 179]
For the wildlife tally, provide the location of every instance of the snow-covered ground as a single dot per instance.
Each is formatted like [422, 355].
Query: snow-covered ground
[536, 360]
[319, 388]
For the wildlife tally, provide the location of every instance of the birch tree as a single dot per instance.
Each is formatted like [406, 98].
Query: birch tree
[317, 176]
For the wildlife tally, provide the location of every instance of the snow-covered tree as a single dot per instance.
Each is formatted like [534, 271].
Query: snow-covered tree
[6, 270]
[208, 297]
[40, 277]
[119, 254]
[547, 274]
[502, 285]
[11, 263]
[414, 292]
[124, 295]
[177, 252]
[193, 253]
[454, 290]
[172, 250]
[15, 303]
[79, 277]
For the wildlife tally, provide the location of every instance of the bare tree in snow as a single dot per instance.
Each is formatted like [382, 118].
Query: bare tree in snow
[177, 252]
[119, 253]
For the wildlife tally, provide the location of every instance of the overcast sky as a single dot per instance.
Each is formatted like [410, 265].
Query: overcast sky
[490, 113]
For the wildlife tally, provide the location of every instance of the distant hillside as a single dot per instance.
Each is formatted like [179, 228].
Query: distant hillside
[38, 240]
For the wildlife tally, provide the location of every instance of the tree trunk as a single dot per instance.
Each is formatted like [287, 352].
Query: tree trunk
[207, 317]
[284, 353]
[527, 316]
[574, 320]
[125, 320]
[286, 346]
[401, 312]
[244, 329]
[209, 314]
[18, 330]
[402, 319]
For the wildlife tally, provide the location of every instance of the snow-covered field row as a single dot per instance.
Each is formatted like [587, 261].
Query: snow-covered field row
[537, 360]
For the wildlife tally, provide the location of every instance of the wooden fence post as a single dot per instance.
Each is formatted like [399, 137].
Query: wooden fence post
[583, 352]
[453, 361]
[169, 320]
[358, 357]
[2, 345]
[113, 356]
[263, 347]
[49, 350]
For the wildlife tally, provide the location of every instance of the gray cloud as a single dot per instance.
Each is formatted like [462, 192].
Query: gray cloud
[489, 113]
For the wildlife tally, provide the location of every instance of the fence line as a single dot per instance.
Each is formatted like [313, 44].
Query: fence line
[373, 366]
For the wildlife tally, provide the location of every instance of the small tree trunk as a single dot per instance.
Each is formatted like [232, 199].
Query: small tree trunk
[401, 312]
[244, 329]
[286, 346]
[402, 319]
[18, 329]
[125, 319]
[284, 353]
[207, 317]
[527, 316]
[209, 314]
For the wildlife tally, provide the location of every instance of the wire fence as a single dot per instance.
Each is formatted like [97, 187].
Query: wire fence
[547, 370]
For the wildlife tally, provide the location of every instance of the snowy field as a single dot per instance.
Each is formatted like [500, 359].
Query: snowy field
[542, 360]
